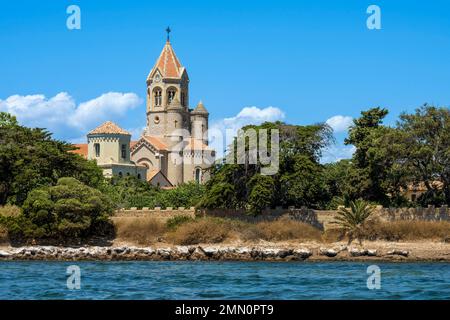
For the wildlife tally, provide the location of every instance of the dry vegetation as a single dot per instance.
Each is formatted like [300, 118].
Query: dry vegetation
[188, 231]
[142, 230]
[9, 211]
[211, 230]
[407, 230]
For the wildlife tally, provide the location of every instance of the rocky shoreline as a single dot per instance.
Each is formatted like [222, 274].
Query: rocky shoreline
[217, 253]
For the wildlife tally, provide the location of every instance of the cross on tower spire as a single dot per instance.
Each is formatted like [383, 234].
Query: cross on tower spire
[168, 33]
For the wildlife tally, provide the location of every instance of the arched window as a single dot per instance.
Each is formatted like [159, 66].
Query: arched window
[120, 174]
[198, 175]
[171, 92]
[158, 97]
[97, 149]
[139, 176]
[124, 151]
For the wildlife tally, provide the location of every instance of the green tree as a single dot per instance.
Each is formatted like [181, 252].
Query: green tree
[70, 209]
[351, 220]
[424, 151]
[298, 182]
[30, 158]
[367, 176]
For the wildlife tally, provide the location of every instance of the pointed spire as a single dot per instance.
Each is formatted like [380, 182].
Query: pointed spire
[200, 108]
[168, 64]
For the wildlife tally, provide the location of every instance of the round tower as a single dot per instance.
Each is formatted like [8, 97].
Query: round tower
[199, 123]
[174, 134]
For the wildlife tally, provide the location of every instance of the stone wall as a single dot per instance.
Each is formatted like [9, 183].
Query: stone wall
[156, 212]
[319, 218]
[431, 213]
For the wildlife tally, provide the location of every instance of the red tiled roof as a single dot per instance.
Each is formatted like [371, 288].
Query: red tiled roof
[109, 127]
[156, 142]
[133, 143]
[82, 150]
[168, 63]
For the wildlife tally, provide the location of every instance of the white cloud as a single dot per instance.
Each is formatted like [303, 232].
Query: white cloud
[337, 152]
[340, 123]
[136, 132]
[247, 116]
[62, 116]
[111, 104]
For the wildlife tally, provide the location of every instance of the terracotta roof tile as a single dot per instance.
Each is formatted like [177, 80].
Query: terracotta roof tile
[132, 144]
[109, 127]
[168, 63]
[82, 150]
[156, 142]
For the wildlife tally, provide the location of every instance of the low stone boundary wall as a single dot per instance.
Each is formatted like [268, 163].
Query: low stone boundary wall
[299, 214]
[318, 218]
[155, 212]
[431, 213]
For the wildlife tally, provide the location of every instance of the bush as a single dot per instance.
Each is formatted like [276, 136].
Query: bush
[351, 220]
[130, 192]
[407, 230]
[68, 210]
[281, 230]
[142, 230]
[202, 230]
[176, 221]
[9, 211]
[215, 230]
[4, 238]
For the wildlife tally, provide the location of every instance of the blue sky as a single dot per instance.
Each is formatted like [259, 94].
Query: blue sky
[309, 60]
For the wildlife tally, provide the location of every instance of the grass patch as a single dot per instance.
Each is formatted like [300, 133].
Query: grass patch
[407, 230]
[141, 230]
[177, 221]
[202, 230]
[280, 230]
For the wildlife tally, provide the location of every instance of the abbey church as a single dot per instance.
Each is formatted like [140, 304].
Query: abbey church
[173, 148]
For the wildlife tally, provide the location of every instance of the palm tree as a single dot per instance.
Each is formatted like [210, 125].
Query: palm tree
[351, 220]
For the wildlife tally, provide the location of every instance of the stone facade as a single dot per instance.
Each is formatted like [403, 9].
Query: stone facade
[109, 145]
[175, 141]
[173, 148]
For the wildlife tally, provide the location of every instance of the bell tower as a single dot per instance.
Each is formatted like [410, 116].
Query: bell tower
[167, 81]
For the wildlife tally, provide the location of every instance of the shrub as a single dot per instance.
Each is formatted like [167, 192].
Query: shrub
[280, 230]
[351, 220]
[202, 230]
[407, 230]
[9, 211]
[142, 230]
[4, 238]
[68, 210]
[176, 221]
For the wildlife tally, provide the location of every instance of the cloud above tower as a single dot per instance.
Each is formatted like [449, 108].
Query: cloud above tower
[63, 116]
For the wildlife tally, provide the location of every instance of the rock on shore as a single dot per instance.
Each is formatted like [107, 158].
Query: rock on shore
[149, 253]
[223, 252]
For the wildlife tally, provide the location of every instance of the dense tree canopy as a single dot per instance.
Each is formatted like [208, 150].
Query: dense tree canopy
[299, 180]
[70, 209]
[30, 158]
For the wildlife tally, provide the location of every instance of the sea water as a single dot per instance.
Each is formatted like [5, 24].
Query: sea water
[222, 280]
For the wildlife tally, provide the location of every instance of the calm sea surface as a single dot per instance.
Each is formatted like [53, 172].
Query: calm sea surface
[223, 280]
